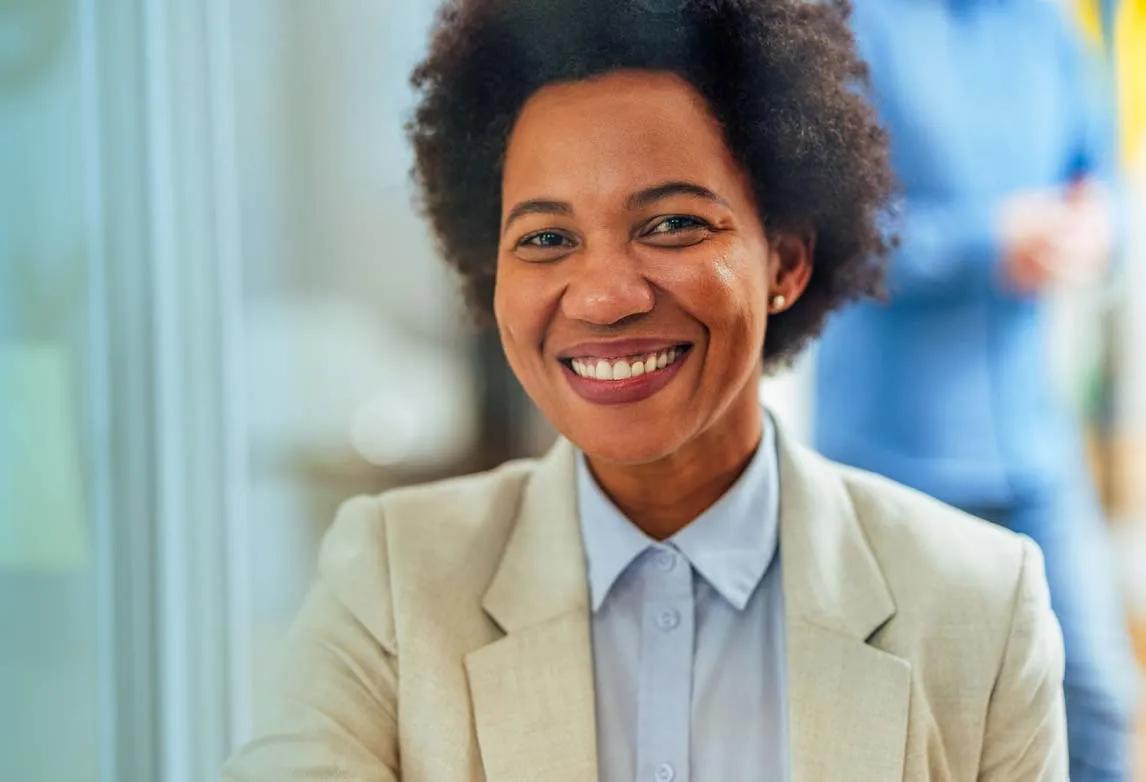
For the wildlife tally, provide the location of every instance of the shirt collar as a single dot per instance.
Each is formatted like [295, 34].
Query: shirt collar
[731, 544]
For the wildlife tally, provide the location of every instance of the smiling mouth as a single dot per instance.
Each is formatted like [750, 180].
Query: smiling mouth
[625, 367]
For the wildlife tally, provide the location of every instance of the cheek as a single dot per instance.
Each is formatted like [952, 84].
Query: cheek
[726, 292]
[520, 307]
[507, 311]
[738, 324]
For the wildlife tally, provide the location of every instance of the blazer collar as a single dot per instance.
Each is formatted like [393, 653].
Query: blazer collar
[847, 699]
[532, 690]
[543, 571]
[831, 576]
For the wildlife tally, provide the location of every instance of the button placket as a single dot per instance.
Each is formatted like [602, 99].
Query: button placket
[665, 686]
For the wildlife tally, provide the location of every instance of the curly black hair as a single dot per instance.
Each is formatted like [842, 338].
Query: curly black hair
[781, 76]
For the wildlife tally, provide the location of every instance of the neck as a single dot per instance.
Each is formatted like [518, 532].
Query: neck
[662, 496]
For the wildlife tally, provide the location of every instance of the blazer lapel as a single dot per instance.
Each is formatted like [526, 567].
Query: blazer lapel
[533, 689]
[847, 700]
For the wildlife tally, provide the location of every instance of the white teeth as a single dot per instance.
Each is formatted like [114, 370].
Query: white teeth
[622, 369]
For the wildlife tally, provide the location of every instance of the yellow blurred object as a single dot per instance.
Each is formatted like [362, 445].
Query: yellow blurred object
[1130, 76]
[1127, 43]
[41, 495]
[1088, 14]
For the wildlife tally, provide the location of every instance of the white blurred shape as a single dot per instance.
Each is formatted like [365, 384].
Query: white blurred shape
[332, 382]
[788, 394]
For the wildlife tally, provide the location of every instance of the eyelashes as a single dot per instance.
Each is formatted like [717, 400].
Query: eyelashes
[665, 231]
[676, 231]
[547, 239]
[674, 224]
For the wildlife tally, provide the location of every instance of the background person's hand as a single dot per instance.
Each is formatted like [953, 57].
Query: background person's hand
[1085, 241]
[1052, 236]
[1027, 225]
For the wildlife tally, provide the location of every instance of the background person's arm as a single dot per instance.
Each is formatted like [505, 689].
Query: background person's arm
[947, 247]
[334, 714]
[1025, 735]
[1068, 235]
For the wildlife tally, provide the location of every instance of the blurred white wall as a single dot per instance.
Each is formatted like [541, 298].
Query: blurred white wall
[359, 361]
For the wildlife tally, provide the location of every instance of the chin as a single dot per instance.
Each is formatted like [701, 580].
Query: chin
[613, 444]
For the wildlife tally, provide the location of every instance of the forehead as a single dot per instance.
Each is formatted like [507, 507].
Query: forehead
[614, 134]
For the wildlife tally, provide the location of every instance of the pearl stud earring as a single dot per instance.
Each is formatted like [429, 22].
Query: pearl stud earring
[778, 302]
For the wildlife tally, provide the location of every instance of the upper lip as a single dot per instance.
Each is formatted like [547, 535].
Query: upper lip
[618, 348]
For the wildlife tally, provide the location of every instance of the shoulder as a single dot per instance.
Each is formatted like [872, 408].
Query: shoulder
[896, 515]
[444, 537]
[943, 566]
[437, 510]
[973, 615]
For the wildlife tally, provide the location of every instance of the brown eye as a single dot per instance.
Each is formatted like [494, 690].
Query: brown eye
[544, 246]
[677, 231]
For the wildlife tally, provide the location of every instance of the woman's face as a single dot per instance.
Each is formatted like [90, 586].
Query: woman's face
[633, 272]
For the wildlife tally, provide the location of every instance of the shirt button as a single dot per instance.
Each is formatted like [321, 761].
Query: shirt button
[666, 560]
[665, 772]
[668, 619]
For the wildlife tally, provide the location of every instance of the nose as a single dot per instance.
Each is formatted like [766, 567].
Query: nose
[605, 288]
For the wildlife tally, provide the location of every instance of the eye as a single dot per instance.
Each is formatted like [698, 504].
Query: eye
[547, 245]
[676, 231]
[675, 223]
[546, 239]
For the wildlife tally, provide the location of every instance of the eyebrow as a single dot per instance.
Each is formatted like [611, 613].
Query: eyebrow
[536, 206]
[637, 200]
[666, 189]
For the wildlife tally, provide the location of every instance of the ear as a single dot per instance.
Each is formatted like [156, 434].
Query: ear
[790, 257]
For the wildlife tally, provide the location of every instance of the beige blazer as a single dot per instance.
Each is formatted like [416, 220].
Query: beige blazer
[446, 638]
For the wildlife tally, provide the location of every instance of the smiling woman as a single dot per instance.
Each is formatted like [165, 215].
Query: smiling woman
[657, 249]
[656, 202]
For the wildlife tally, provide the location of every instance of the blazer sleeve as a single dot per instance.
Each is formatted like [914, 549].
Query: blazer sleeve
[1025, 738]
[334, 711]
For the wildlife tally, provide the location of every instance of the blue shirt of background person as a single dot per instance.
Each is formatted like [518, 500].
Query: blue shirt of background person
[946, 388]
[998, 140]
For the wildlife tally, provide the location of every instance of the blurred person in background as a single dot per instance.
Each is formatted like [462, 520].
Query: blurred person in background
[657, 201]
[1004, 156]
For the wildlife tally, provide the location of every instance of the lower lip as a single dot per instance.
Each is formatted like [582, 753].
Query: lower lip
[619, 392]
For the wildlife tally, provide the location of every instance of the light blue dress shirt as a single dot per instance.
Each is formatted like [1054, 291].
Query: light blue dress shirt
[688, 636]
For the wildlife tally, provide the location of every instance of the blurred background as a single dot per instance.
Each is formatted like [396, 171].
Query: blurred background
[220, 316]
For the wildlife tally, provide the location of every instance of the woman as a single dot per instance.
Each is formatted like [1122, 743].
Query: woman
[657, 201]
